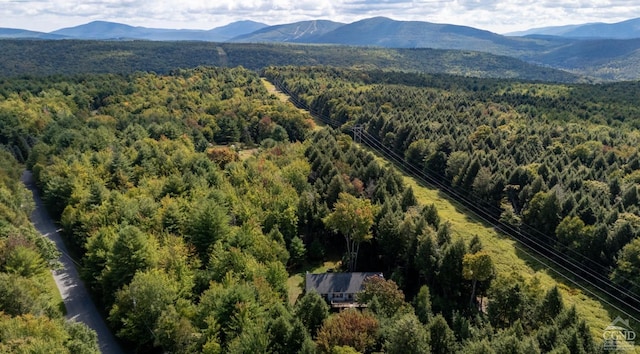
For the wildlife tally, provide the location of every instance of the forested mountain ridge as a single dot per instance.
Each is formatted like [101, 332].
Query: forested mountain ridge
[298, 32]
[537, 49]
[608, 59]
[104, 30]
[188, 244]
[628, 29]
[42, 58]
[388, 33]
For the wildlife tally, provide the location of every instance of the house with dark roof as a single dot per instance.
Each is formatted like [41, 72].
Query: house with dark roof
[339, 289]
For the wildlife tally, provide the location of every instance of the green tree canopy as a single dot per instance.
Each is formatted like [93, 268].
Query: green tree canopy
[477, 267]
[352, 217]
[138, 306]
[407, 335]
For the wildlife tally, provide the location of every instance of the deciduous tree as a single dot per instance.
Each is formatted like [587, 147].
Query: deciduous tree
[350, 327]
[477, 267]
[352, 217]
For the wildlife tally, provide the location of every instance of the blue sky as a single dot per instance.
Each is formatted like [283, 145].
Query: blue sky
[499, 16]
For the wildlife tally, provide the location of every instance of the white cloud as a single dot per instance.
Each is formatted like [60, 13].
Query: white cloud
[495, 15]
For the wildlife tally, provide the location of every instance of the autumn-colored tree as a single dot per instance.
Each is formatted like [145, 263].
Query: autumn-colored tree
[352, 217]
[222, 155]
[350, 327]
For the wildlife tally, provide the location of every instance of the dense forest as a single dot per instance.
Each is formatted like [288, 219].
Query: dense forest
[191, 196]
[70, 57]
[557, 162]
[30, 314]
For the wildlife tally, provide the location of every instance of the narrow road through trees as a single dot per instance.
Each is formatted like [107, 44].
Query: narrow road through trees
[80, 307]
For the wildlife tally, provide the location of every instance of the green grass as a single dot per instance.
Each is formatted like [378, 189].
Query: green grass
[296, 280]
[285, 98]
[508, 256]
[56, 299]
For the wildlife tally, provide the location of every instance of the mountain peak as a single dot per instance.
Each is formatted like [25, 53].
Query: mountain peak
[97, 30]
[297, 32]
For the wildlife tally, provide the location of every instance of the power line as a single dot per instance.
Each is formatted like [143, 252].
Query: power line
[488, 217]
[377, 145]
[475, 208]
[479, 203]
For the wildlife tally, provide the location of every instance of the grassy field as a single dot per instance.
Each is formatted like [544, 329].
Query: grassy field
[56, 300]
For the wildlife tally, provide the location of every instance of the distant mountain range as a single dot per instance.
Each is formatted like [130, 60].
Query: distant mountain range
[579, 49]
[378, 31]
[102, 30]
[14, 33]
[383, 32]
[621, 30]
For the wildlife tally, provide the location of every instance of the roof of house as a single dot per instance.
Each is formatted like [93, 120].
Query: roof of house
[326, 283]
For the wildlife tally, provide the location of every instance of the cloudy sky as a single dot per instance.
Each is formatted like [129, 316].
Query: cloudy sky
[499, 16]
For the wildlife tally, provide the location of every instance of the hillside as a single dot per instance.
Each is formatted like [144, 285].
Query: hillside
[72, 57]
[235, 29]
[621, 30]
[298, 32]
[607, 59]
[578, 48]
[103, 30]
[13, 33]
[388, 33]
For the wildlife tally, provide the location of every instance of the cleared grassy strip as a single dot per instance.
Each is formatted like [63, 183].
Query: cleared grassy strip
[506, 255]
[508, 258]
[46, 278]
[285, 98]
[273, 90]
